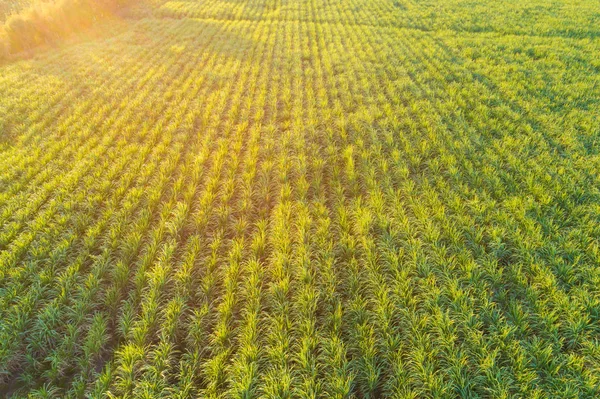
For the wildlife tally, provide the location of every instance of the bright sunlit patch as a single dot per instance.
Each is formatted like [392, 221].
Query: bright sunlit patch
[178, 48]
[44, 22]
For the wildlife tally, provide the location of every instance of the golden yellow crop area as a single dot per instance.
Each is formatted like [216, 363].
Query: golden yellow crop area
[305, 199]
[10, 7]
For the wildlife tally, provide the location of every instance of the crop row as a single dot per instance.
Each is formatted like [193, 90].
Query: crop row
[283, 203]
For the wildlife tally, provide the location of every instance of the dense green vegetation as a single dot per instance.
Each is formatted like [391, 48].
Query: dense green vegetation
[308, 199]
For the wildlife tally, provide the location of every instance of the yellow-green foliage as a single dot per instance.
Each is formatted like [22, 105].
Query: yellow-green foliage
[305, 199]
[10, 7]
[45, 22]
